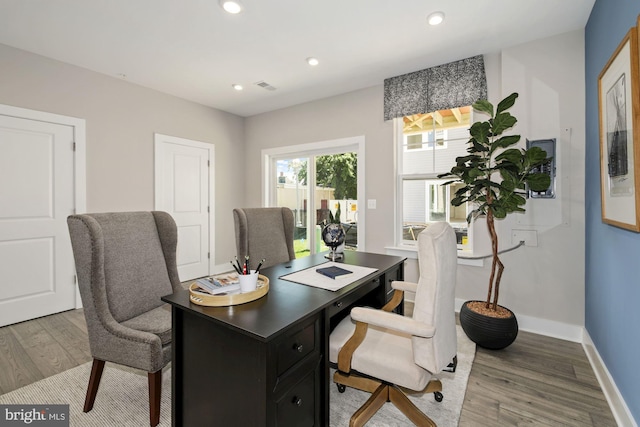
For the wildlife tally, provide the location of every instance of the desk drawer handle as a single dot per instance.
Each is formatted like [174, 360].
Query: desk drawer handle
[339, 304]
[298, 347]
[297, 401]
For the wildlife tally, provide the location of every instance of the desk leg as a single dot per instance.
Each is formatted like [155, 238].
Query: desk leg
[176, 365]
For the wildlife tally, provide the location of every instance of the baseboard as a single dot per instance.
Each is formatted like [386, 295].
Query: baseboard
[550, 328]
[617, 403]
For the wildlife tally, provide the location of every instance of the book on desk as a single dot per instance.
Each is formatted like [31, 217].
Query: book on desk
[334, 271]
[219, 285]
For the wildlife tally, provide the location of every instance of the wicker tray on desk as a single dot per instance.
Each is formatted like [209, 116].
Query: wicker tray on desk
[203, 298]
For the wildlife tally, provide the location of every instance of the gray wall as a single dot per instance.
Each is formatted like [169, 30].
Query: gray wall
[550, 293]
[121, 119]
[352, 114]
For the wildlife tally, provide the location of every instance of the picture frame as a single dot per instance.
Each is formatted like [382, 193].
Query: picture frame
[619, 115]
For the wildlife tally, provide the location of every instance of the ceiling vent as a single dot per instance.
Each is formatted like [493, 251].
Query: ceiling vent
[265, 85]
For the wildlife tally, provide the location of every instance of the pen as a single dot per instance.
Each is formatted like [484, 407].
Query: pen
[239, 266]
[246, 265]
[260, 265]
[235, 267]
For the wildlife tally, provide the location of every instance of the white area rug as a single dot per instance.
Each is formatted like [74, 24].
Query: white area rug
[122, 398]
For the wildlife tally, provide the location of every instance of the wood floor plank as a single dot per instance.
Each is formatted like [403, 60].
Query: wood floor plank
[69, 336]
[18, 369]
[46, 353]
[77, 318]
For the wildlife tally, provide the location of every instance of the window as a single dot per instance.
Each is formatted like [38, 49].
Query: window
[429, 145]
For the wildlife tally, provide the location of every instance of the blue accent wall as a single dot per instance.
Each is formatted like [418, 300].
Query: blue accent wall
[612, 294]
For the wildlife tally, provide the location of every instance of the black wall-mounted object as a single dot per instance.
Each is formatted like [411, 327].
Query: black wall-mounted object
[549, 146]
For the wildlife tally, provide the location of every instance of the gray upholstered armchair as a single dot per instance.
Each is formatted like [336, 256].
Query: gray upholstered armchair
[125, 262]
[264, 233]
[379, 351]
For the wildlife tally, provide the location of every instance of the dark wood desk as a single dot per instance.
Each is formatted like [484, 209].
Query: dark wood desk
[265, 363]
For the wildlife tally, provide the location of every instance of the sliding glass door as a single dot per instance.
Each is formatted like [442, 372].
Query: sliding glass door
[317, 185]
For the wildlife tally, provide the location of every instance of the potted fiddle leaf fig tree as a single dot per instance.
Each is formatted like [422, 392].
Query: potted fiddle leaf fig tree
[495, 176]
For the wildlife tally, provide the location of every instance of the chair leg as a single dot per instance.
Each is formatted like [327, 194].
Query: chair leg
[94, 383]
[370, 407]
[406, 406]
[155, 390]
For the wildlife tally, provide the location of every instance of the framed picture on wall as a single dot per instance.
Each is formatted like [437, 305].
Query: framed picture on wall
[619, 108]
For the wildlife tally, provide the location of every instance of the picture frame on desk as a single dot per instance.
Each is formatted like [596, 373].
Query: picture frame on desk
[619, 114]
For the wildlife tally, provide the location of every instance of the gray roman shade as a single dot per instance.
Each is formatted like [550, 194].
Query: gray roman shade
[451, 85]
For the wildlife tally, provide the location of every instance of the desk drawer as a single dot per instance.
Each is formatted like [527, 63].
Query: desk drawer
[297, 407]
[295, 347]
[348, 300]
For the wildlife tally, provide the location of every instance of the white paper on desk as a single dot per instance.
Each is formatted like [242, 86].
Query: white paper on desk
[311, 277]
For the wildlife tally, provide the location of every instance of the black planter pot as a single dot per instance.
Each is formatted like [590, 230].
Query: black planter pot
[489, 332]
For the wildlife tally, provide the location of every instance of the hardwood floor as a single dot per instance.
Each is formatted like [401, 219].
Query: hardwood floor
[39, 348]
[538, 381]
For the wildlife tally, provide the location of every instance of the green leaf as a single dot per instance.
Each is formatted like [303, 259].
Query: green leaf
[538, 181]
[512, 155]
[509, 182]
[505, 141]
[484, 106]
[519, 199]
[499, 212]
[502, 122]
[507, 103]
[536, 156]
[480, 132]
[457, 201]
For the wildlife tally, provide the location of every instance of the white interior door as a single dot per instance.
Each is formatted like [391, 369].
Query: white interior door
[36, 196]
[184, 188]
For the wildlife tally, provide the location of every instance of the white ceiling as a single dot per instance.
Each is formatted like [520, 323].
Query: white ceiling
[194, 50]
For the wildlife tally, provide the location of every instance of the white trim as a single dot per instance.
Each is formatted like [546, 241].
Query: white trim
[618, 406]
[536, 325]
[80, 156]
[159, 138]
[334, 146]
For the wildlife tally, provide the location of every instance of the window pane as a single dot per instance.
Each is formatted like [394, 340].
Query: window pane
[425, 201]
[337, 187]
[437, 202]
[432, 141]
[292, 192]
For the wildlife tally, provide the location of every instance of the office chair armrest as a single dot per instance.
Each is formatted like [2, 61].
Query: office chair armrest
[392, 321]
[363, 317]
[404, 286]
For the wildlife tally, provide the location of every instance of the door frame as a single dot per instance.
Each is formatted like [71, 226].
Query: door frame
[79, 156]
[333, 146]
[159, 138]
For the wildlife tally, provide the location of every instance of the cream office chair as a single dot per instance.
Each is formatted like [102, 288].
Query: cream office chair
[264, 233]
[379, 351]
[125, 263]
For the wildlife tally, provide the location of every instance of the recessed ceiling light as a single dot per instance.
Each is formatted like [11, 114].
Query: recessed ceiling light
[231, 6]
[435, 18]
[237, 86]
[312, 61]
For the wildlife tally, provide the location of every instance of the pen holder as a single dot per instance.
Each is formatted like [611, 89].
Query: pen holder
[248, 282]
